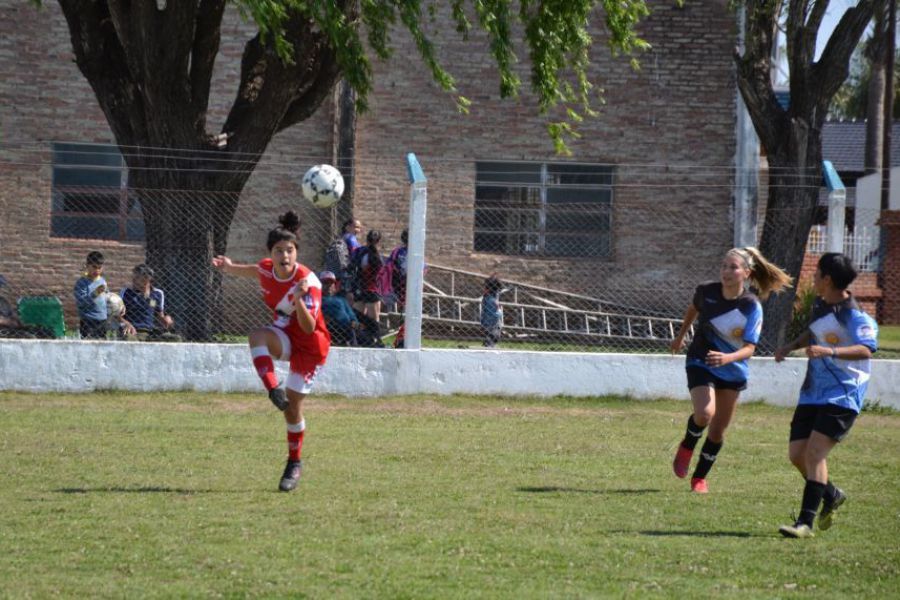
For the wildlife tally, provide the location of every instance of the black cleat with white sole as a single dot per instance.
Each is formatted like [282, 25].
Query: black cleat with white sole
[291, 475]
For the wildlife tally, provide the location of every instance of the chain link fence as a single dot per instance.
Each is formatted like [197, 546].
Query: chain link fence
[589, 257]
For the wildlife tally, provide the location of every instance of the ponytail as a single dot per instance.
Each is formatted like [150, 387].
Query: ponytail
[767, 277]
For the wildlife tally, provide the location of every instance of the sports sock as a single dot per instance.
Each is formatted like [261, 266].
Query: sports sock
[708, 455]
[812, 497]
[295, 439]
[693, 434]
[830, 492]
[265, 367]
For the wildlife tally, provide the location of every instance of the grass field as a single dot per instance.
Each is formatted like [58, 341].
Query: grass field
[175, 495]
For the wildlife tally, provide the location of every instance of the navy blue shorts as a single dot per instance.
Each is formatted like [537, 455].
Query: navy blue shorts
[828, 419]
[698, 376]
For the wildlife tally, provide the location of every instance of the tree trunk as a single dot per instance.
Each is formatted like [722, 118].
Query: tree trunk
[876, 53]
[795, 175]
[186, 223]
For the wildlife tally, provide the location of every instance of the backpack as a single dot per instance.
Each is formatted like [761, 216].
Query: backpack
[337, 258]
[384, 280]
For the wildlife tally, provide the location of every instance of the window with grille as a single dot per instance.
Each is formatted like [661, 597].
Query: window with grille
[543, 209]
[90, 196]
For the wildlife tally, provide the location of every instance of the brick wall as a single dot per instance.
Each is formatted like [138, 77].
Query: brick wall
[679, 109]
[889, 309]
[668, 233]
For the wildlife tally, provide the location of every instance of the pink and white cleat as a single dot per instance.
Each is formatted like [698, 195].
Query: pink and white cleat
[682, 461]
[698, 486]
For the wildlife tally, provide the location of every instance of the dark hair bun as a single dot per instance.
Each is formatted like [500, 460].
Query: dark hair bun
[290, 221]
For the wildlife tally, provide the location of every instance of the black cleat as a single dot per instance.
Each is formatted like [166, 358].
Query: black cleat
[278, 398]
[291, 475]
[826, 515]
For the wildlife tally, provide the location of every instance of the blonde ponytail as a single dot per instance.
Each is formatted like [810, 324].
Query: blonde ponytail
[767, 277]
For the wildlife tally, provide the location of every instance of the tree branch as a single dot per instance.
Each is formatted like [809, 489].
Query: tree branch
[832, 68]
[754, 70]
[316, 92]
[203, 57]
[101, 59]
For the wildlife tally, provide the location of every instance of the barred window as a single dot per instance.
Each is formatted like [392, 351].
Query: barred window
[90, 196]
[543, 209]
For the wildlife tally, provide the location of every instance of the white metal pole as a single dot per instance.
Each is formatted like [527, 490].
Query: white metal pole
[415, 257]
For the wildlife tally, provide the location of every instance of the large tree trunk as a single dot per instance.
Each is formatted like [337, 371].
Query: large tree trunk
[795, 175]
[185, 227]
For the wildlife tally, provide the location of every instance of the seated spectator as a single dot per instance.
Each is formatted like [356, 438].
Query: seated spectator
[90, 298]
[339, 315]
[12, 327]
[145, 307]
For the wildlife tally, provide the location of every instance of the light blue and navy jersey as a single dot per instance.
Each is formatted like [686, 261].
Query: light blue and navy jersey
[835, 380]
[724, 326]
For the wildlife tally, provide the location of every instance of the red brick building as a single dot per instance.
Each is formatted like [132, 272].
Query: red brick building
[657, 163]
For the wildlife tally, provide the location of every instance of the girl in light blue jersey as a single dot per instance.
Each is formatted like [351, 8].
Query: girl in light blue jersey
[729, 321]
[839, 342]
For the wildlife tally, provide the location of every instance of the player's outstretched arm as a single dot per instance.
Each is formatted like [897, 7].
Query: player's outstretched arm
[226, 265]
[801, 341]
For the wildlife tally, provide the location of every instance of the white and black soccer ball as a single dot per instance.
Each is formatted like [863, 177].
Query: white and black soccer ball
[115, 307]
[323, 185]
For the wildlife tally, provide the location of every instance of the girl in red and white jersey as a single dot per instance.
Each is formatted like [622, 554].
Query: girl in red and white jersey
[297, 333]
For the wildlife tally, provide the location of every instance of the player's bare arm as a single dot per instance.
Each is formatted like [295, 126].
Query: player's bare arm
[690, 315]
[801, 341]
[305, 319]
[717, 359]
[855, 352]
[226, 265]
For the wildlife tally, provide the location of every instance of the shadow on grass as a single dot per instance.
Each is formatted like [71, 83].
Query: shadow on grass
[701, 534]
[134, 490]
[571, 490]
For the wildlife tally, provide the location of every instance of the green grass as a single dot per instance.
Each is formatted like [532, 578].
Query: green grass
[889, 337]
[161, 495]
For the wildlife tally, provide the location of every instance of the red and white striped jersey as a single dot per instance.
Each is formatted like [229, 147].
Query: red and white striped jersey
[278, 294]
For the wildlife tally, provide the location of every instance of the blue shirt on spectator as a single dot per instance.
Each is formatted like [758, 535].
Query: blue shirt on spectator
[90, 306]
[491, 313]
[337, 309]
[352, 243]
[142, 310]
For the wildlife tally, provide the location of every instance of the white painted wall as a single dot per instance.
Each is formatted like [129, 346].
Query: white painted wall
[85, 366]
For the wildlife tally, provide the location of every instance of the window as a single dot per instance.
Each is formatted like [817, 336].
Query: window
[90, 196]
[556, 209]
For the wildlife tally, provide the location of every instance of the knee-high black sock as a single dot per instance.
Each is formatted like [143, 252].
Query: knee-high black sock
[692, 434]
[812, 497]
[830, 493]
[708, 455]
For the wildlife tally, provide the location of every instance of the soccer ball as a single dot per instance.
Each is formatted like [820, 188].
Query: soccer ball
[114, 305]
[323, 185]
